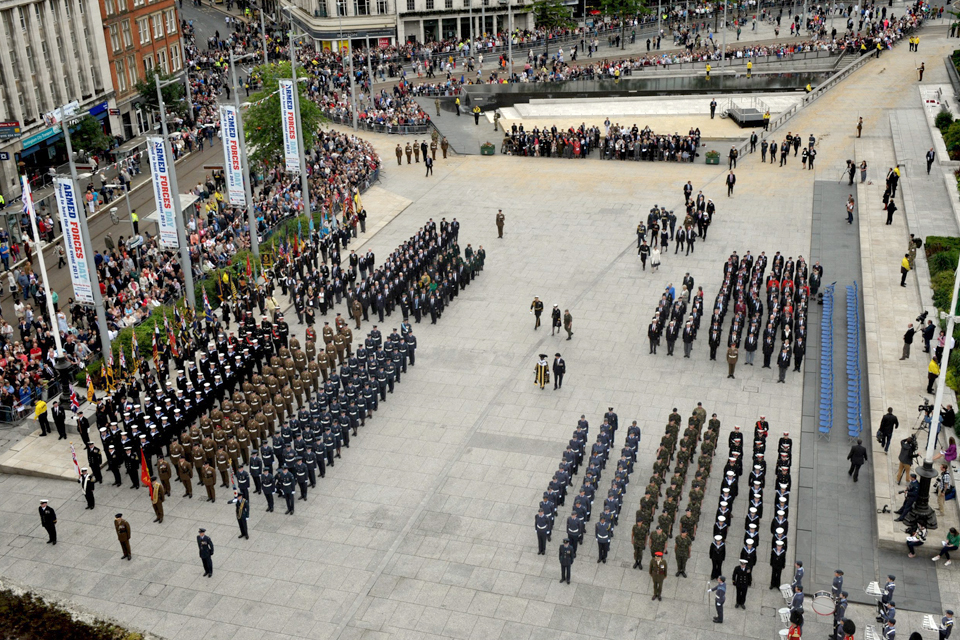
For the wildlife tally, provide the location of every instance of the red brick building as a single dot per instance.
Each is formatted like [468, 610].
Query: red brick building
[140, 35]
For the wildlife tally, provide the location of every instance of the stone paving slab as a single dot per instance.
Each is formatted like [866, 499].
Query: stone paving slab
[425, 528]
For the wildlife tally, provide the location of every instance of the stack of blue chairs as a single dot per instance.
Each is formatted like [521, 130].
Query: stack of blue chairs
[854, 401]
[826, 364]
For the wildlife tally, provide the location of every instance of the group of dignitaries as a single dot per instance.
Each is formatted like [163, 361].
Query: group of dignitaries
[256, 406]
[788, 289]
[662, 226]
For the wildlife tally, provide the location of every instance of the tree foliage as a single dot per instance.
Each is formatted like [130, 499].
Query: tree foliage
[623, 10]
[87, 136]
[262, 123]
[174, 94]
[552, 14]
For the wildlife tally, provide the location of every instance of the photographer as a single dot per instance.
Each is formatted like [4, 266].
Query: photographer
[911, 493]
[908, 447]
[948, 418]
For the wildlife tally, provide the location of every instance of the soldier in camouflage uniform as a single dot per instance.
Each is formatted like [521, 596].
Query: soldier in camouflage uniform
[639, 535]
[682, 552]
[658, 540]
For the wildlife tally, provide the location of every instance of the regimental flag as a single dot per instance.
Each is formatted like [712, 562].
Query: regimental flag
[156, 346]
[123, 362]
[249, 268]
[145, 474]
[76, 465]
[110, 372]
[207, 311]
[172, 341]
[74, 400]
[233, 290]
[135, 351]
[91, 392]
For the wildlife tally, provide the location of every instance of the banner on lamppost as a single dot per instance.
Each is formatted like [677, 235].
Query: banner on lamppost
[70, 211]
[233, 167]
[163, 192]
[291, 152]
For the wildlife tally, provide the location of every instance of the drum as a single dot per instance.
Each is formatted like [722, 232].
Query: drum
[873, 589]
[782, 634]
[784, 614]
[786, 591]
[823, 603]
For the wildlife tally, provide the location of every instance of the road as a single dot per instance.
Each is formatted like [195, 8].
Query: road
[206, 21]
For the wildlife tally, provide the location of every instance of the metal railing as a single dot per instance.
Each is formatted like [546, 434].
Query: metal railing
[23, 408]
[376, 127]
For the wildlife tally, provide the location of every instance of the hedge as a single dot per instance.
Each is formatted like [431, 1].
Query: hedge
[942, 256]
[30, 617]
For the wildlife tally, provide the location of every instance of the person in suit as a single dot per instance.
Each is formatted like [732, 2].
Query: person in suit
[60, 420]
[731, 181]
[205, 544]
[559, 368]
[857, 456]
[48, 520]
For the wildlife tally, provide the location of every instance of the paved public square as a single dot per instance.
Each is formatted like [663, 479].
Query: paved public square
[424, 529]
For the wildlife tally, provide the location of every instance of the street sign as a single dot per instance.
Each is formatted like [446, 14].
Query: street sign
[114, 112]
[9, 130]
[4, 156]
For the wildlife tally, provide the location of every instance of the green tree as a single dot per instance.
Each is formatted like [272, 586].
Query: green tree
[174, 94]
[552, 14]
[262, 123]
[87, 135]
[623, 10]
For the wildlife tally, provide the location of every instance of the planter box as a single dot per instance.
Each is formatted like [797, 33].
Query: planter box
[487, 149]
[713, 159]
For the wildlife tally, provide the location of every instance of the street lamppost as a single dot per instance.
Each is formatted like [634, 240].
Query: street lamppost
[185, 263]
[723, 60]
[921, 512]
[251, 214]
[509, 34]
[85, 234]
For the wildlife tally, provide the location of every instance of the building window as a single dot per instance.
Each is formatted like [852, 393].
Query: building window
[361, 7]
[144, 28]
[162, 60]
[341, 7]
[115, 37]
[127, 35]
[23, 19]
[411, 5]
[138, 3]
[448, 4]
[148, 63]
[157, 27]
[132, 71]
[121, 5]
[175, 56]
[80, 6]
[121, 76]
[382, 7]
[108, 5]
[429, 5]
[171, 21]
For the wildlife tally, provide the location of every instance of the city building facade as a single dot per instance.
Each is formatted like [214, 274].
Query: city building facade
[52, 54]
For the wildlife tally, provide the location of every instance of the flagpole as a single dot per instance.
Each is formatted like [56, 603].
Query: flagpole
[28, 203]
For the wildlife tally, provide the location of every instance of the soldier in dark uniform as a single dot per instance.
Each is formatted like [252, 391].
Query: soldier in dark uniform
[742, 579]
[268, 485]
[778, 560]
[566, 560]
[718, 554]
